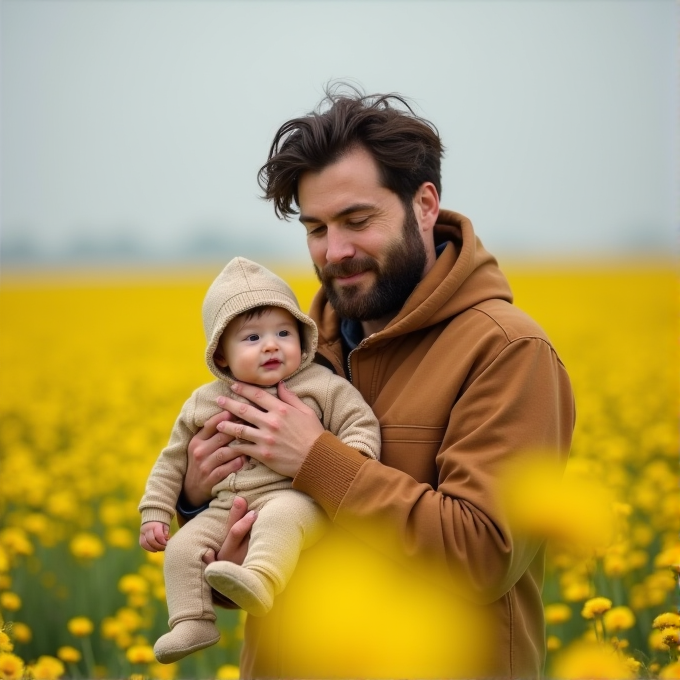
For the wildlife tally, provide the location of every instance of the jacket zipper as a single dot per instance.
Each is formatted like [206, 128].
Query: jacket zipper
[349, 356]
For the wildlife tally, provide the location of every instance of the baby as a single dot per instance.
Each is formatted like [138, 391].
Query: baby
[256, 333]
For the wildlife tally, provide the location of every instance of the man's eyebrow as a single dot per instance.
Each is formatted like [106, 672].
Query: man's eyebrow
[355, 207]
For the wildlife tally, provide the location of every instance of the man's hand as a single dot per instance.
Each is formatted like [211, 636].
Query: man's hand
[209, 460]
[153, 536]
[235, 545]
[281, 431]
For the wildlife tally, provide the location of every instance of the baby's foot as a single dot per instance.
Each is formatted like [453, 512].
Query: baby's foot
[242, 586]
[185, 637]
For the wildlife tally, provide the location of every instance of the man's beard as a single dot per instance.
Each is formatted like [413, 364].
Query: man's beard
[401, 271]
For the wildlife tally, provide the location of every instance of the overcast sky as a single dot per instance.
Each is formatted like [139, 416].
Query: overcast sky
[131, 124]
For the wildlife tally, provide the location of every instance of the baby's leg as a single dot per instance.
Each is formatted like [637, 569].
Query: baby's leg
[287, 522]
[192, 617]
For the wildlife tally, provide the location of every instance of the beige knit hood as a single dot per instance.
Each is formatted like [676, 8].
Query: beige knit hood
[243, 285]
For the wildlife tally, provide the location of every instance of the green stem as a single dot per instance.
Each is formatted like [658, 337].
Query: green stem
[88, 657]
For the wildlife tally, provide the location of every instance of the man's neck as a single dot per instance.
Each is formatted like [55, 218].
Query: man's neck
[375, 325]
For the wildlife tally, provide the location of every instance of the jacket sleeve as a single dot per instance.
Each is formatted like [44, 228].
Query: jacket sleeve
[350, 418]
[521, 402]
[165, 482]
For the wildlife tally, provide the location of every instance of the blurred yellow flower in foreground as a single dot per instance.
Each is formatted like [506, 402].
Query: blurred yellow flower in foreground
[596, 606]
[80, 626]
[590, 661]
[618, 618]
[544, 503]
[670, 672]
[227, 672]
[11, 666]
[47, 668]
[86, 546]
[69, 654]
[140, 654]
[10, 601]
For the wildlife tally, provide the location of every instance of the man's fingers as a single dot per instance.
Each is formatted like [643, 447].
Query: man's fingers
[235, 545]
[210, 427]
[242, 528]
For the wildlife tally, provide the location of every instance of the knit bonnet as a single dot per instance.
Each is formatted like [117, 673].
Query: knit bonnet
[243, 285]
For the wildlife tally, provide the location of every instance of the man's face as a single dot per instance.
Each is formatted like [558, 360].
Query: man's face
[367, 249]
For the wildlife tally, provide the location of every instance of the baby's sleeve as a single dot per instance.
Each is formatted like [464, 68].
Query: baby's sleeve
[350, 418]
[165, 481]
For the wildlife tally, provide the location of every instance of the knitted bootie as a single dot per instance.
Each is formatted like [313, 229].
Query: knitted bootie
[242, 586]
[184, 638]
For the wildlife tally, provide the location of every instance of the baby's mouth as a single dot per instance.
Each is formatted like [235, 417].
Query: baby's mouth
[272, 363]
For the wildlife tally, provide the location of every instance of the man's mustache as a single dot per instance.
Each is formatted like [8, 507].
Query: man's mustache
[347, 268]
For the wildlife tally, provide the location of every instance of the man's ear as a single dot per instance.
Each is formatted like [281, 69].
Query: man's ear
[426, 206]
[219, 359]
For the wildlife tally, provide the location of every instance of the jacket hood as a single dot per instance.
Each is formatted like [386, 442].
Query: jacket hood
[243, 285]
[464, 275]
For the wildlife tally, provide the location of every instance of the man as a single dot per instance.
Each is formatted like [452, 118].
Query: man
[415, 312]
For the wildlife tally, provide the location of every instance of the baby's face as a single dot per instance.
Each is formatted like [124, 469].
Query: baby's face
[261, 350]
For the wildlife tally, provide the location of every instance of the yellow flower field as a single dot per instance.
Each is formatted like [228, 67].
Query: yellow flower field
[95, 369]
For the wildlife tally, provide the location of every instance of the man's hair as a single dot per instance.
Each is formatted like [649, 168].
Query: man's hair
[406, 147]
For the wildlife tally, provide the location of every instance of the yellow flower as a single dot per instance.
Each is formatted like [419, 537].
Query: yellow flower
[110, 628]
[542, 502]
[16, 541]
[670, 672]
[69, 654]
[590, 661]
[10, 601]
[47, 668]
[671, 636]
[615, 565]
[137, 600]
[155, 558]
[80, 626]
[120, 537]
[557, 613]
[596, 606]
[669, 558]
[633, 664]
[86, 546]
[21, 632]
[5, 643]
[618, 618]
[656, 641]
[576, 591]
[227, 672]
[140, 654]
[133, 584]
[163, 671]
[129, 619]
[11, 666]
[667, 620]
[553, 643]
[36, 523]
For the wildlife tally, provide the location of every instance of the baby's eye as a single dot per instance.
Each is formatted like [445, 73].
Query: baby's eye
[253, 337]
[284, 334]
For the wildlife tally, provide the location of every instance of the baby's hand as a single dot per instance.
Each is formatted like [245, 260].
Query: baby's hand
[153, 536]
